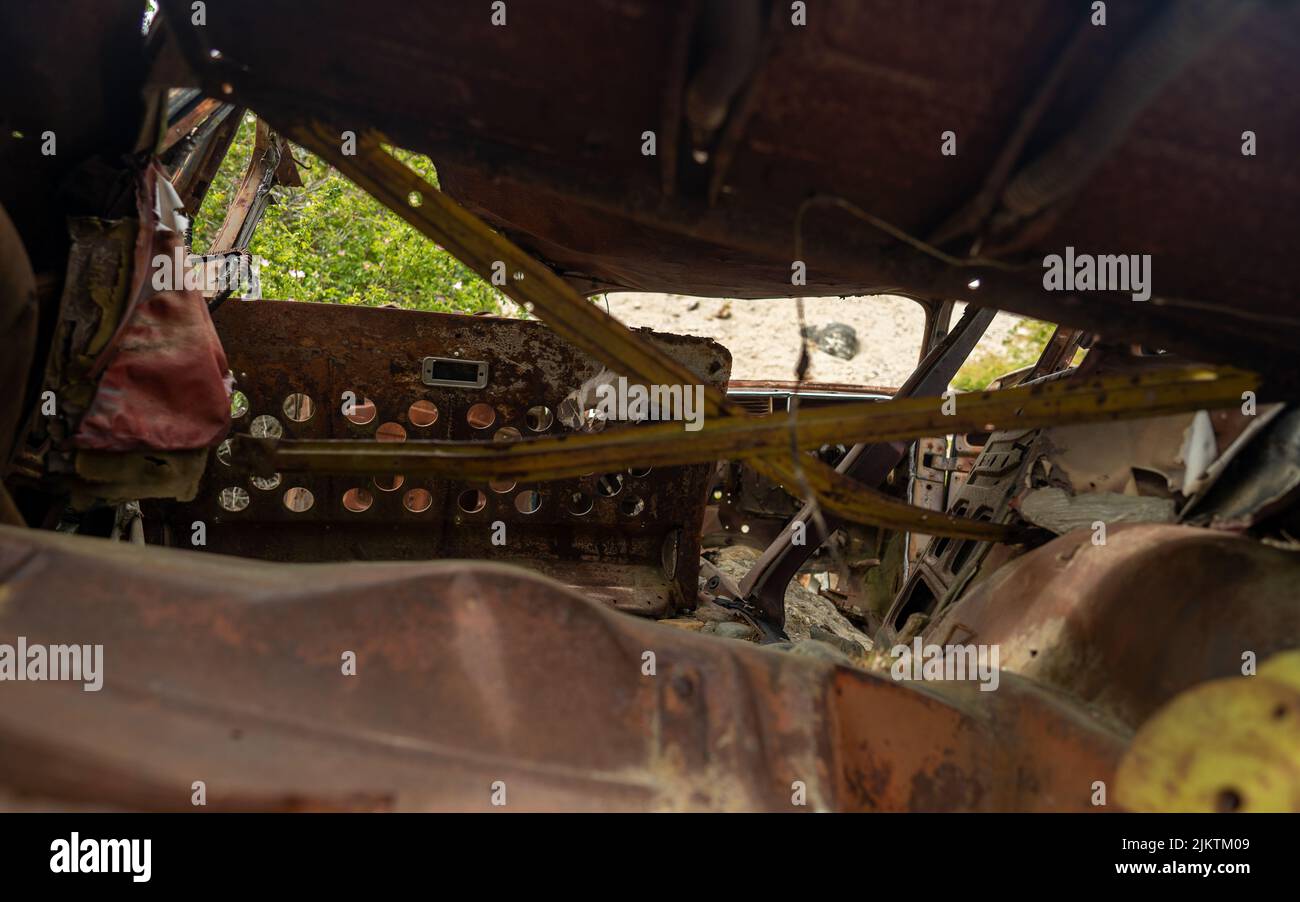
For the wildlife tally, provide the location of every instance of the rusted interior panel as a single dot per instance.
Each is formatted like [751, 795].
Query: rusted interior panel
[1060, 478]
[1127, 625]
[469, 673]
[630, 538]
[944, 565]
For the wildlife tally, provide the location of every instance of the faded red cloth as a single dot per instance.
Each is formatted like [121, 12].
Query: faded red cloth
[165, 383]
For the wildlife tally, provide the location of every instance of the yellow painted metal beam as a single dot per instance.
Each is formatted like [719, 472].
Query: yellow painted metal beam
[749, 437]
[753, 438]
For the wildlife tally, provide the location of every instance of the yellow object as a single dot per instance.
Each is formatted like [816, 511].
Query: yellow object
[1226, 745]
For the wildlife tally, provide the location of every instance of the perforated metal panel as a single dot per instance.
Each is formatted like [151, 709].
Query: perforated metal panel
[629, 537]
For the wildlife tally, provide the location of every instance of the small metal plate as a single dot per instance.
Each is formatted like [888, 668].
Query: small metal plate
[453, 372]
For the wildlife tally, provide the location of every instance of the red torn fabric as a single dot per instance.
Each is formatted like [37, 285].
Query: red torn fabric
[166, 382]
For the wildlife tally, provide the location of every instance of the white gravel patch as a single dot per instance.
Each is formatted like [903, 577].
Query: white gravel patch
[763, 335]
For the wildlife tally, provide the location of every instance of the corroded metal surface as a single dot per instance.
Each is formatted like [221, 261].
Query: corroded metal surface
[1078, 473]
[1128, 624]
[281, 350]
[229, 671]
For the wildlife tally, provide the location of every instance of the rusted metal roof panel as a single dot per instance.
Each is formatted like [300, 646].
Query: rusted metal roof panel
[538, 125]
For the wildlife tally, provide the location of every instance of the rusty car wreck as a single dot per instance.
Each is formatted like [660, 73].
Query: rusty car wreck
[349, 558]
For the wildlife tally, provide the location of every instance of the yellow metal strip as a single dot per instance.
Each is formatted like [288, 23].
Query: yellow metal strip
[748, 437]
[668, 444]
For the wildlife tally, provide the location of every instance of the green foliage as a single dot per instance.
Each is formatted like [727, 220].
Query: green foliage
[329, 241]
[1019, 349]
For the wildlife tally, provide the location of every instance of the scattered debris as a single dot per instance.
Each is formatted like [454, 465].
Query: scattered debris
[732, 630]
[814, 648]
[805, 610]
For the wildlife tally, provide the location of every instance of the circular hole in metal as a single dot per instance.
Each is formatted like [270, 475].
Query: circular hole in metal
[501, 486]
[415, 198]
[298, 407]
[265, 483]
[471, 501]
[298, 499]
[579, 503]
[507, 434]
[417, 501]
[638, 472]
[481, 416]
[389, 483]
[358, 409]
[390, 432]
[610, 484]
[528, 501]
[265, 426]
[539, 418]
[422, 413]
[357, 500]
[1228, 800]
[631, 506]
[234, 498]
[238, 404]
[224, 452]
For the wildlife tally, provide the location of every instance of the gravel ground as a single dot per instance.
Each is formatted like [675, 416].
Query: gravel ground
[763, 335]
[805, 610]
